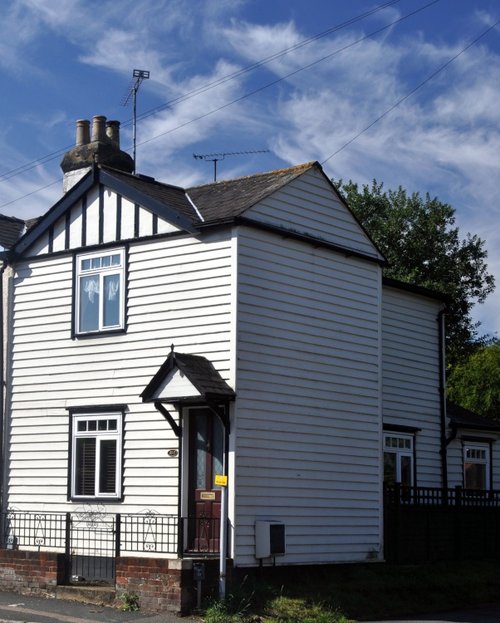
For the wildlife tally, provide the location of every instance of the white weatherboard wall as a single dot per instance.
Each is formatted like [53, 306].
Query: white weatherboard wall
[309, 205]
[179, 291]
[410, 356]
[308, 400]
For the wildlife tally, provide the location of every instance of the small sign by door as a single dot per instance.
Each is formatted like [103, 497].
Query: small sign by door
[207, 495]
[220, 480]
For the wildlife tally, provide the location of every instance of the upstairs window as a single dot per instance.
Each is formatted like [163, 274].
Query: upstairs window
[477, 466]
[398, 459]
[96, 452]
[100, 297]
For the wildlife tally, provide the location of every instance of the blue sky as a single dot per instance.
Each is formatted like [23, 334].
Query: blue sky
[62, 60]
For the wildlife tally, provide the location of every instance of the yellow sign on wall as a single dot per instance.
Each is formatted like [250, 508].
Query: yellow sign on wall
[221, 480]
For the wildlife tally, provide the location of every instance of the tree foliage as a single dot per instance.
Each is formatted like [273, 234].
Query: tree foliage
[423, 246]
[475, 382]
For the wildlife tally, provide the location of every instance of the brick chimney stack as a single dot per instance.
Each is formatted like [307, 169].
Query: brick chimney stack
[103, 147]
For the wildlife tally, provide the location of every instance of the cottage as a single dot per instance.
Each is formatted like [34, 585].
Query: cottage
[206, 370]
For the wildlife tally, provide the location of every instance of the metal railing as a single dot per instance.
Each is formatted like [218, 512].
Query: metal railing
[90, 532]
[437, 496]
[108, 533]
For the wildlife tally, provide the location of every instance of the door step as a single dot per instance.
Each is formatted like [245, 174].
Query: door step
[97, 595]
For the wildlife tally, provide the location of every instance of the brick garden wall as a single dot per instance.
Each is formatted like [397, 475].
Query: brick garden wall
[30, 572]
[160, 584]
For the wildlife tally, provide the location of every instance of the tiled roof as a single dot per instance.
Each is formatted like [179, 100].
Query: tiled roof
[227, 199]
[11, 229]
[202, 374]
[463, 418]
[198, 370]
[172, 196]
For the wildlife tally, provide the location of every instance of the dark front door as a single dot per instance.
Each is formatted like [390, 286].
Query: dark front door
[206, 451]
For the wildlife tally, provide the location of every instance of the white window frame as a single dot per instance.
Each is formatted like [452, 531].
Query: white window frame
[105, 434]
[100, 272]
[477, 453]
[400, 451]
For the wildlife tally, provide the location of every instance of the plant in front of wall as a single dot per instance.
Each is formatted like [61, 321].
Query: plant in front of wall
[130, 602]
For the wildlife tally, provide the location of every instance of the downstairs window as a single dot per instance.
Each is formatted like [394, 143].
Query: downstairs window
[476, 466]
[398, 459]
[96, 455]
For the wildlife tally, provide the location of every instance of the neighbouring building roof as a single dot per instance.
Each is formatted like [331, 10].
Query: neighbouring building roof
[415, 289]
[463, 418]
[11, 229]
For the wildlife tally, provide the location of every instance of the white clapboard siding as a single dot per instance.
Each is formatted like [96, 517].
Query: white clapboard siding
[178, 292]
[308, 400]
[308, 205]
[410, 363]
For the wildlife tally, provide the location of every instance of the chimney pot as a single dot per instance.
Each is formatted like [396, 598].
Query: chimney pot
[82, 132]
[113, 132]
[98, 129]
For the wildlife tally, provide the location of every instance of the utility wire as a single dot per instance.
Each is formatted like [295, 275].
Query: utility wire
[414, 90]
[265, 61]
[290, 74]
[33, 192]
[278, 80]
[208, 86]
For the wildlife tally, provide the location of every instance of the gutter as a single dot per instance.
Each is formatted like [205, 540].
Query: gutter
[442, 399]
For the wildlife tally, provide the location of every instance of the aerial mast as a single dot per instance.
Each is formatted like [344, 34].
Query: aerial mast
[139, 75]
[215, 158]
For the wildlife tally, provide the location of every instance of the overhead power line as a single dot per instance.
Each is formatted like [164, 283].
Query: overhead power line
[292, 73]
[414, 90]
[208, 86]
[265, 61]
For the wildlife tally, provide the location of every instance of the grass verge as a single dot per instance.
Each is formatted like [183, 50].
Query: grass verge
[339, 594]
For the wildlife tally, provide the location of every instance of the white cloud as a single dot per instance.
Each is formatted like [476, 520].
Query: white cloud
[443, 139]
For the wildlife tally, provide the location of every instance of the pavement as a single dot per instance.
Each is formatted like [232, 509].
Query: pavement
[29, 609]
[15, 608]
[481, 614]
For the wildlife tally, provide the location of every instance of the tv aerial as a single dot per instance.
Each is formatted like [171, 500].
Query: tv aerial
[139, 75]
[215, 158]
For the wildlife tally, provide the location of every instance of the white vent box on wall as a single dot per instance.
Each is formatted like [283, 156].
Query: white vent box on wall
[269, 539]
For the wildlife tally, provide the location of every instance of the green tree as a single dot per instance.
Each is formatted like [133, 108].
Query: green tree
[475, 382]
[423, 246]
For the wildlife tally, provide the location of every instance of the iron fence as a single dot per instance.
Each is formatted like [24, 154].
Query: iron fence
[90, 531]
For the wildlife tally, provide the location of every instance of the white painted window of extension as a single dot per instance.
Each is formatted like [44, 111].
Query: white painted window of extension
[100, 295]
[476, 466]
[398, 459]
[96, 456]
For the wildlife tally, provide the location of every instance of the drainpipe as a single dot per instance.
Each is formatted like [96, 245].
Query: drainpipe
[2, 387]
[442, 398]
[224, 518]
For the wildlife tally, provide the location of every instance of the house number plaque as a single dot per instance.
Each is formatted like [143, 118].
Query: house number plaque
[173, 453]
[207, 495]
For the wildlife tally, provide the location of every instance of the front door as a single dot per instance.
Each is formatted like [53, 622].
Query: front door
[206, 452]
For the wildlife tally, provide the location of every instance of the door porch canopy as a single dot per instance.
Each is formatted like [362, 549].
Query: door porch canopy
[188, 380]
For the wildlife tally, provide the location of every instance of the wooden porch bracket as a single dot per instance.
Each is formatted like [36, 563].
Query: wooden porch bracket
[173, 424]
